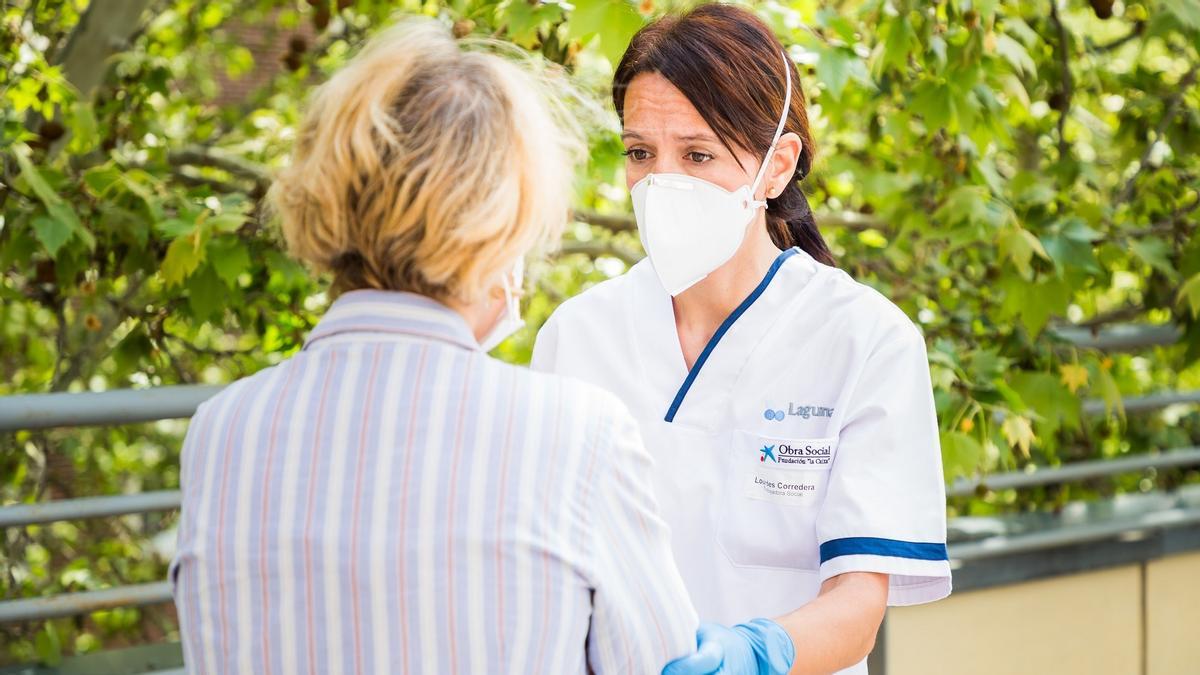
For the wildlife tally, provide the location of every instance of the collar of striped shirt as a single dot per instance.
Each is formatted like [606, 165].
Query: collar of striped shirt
[392, 312]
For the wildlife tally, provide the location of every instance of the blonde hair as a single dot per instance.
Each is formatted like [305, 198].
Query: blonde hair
[422, 166]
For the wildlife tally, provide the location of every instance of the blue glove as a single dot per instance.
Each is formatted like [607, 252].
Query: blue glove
[759, 647]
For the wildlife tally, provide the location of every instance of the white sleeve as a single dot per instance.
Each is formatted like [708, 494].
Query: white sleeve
[642, 617]
[545, 347]
[885, 509]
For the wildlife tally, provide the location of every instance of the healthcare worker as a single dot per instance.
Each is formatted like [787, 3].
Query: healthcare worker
[788, 407]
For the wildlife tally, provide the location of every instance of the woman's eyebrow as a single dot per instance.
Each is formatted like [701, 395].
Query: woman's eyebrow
[708, 138]
[699, 137]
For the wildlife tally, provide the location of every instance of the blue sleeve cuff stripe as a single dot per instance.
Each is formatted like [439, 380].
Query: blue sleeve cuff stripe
[878, 546]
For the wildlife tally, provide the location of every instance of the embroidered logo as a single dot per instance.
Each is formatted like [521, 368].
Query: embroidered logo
[768, 451]
[802, 411]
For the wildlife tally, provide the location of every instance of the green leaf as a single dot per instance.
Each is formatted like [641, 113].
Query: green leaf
[524, 19]
[897, 45]
[1018, 431]
[1190, 291]
[873, 238]
[1034, 303]
[1156, 253]
[935, 105]
[1187, 11]
[33, 177]
[965, 203]
[838, 22]
[1106, 386]
[175, 227]
[986, 9]
[132, 349]
[1070, 246]
[100, 179]
[835, 67]
[51, 232]
[227, 222]
[206, 293]
[58, 209]
[184, 255]
[229, 258]
[987, 365]
[961, 454]
[1014, 52]
[85, 133]
[1019, 245]
[614, 21]
[1077, 230]
[1055, 406]
[1029, 188]
[48, 645]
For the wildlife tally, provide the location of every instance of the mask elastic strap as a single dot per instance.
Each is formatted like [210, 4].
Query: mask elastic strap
[513, 283]
[787, 106]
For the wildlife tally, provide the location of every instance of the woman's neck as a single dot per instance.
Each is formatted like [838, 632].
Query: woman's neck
[701, 309]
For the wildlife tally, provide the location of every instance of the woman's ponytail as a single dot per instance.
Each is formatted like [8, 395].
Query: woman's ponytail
[790, 219]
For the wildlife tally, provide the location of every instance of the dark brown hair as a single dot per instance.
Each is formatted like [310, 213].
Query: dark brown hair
[727, 62]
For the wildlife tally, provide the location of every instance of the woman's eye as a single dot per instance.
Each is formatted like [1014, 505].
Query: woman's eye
[636, 154]
[698, 157]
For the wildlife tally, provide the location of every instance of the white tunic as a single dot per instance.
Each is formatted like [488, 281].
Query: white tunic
[801, 445]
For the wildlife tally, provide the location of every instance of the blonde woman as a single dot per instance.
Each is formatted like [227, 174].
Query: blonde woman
[391, 499]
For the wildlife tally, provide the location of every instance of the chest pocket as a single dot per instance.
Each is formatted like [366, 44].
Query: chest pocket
[774, 490]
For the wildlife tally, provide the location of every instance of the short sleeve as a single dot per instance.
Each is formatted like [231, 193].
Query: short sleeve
[545, 347]
[885, 508]
[642, 617]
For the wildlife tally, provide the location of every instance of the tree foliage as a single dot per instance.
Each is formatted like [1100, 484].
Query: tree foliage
[999, 169]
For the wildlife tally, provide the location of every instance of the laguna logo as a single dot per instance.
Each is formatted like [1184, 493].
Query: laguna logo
[801, 411]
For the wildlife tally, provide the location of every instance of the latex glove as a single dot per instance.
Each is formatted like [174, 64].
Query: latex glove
[758, 647]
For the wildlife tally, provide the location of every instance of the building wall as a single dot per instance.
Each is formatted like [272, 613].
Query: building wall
[1173, 615]
[1085, 624]
[1141, 619]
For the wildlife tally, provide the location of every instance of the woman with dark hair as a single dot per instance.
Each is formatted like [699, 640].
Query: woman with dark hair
[788, 407]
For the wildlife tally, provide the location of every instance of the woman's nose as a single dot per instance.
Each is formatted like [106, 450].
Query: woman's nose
[667, 164]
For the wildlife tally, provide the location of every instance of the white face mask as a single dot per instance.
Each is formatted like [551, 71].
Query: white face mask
[510, 316]
[690, 227]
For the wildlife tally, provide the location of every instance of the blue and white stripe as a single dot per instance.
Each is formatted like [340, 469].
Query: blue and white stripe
[392, 499]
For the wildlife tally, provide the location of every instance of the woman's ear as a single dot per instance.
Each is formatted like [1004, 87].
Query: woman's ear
[783, 164]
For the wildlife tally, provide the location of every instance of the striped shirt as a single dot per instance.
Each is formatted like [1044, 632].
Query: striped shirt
[392, 499]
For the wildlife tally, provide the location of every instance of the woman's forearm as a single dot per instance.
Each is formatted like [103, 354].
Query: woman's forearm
[838, 628]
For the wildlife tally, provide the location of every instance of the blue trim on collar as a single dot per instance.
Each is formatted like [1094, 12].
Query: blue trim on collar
[724, 328]
[877, 546]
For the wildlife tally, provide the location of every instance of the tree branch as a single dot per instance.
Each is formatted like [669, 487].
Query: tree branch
[1068, 90]
[104, 30]
[1115, 316]
[1170, 110]
[196, 155]
[595, 249]
[847, 220]
[1138, 28]
[190, 179]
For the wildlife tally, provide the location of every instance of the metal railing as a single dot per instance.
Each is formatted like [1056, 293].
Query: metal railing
[1076, 471]
[42, 411]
